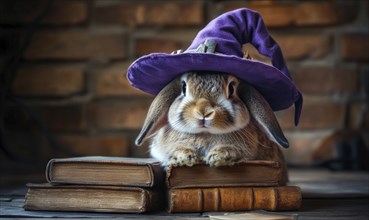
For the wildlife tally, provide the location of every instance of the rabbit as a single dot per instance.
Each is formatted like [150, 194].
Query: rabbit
[212, 118]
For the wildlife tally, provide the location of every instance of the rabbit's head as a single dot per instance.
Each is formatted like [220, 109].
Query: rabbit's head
[209, 102]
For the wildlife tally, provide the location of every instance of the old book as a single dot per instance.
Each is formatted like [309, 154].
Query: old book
[234, 199]
[115, 171]
[250, 173]
[90, 198]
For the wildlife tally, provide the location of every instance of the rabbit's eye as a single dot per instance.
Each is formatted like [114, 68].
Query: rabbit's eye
[184, 88]
[230, 89]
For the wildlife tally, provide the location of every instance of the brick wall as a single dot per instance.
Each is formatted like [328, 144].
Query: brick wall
[70, 78]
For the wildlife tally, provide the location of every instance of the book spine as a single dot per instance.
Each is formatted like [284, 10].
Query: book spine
[48, 171]
[234, 199]
[157, 175]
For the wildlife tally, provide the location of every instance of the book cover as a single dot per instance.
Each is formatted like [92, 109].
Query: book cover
[281, 198]
[99, 170]
[90, 198]
[249, 173]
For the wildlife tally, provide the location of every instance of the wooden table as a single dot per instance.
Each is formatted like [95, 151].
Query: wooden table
[326, 195]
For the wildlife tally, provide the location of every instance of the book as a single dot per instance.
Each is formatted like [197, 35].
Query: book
[90, 198]
[280, 198]
[249, 173]
[99, 170]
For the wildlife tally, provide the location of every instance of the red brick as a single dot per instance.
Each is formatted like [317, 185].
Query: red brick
[91, 145]
[296, 47]
[325, 13]
[274, 15]
[66, 118]
[164, 41]
[355, 46]
[302, 145]
[112, 81]
[114, 14]
[72, 44]
[48, 80]
[326, 80]
[63, 118]
[304, 46]
[149, 45]
[117, 115]
[33, 145]
[171, 14]
[327, 147]
[359, 115]
[62, 12]
[277, 14]
[316, 114]
[67, 12]
[150, 13]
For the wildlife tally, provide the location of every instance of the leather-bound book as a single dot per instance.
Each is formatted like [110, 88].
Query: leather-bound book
[230, 199]
[90, 198]
[97, 170]
[249, 173]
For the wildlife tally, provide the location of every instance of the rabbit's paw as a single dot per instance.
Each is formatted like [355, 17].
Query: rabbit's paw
[184, 157]
[221, 156]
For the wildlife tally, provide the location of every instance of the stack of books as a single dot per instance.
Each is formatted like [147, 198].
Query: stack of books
[99, 184]
[136, 185]
[245, 186]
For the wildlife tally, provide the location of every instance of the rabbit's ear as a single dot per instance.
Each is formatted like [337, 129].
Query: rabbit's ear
[262, 113]
[157, 116]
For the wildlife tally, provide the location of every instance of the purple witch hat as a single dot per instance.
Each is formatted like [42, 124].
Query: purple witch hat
[218, 47]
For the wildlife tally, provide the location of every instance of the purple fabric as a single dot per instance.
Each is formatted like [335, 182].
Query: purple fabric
[230, 31]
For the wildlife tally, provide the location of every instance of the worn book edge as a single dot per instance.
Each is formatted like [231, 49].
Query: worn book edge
[279, 181]
[156, 172]
[150, 199]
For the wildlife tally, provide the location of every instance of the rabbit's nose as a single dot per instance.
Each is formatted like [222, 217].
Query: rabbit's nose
[204, 114]
[204, 110]
[204, 119]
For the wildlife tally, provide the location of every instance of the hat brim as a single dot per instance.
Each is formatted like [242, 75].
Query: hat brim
[153, 72]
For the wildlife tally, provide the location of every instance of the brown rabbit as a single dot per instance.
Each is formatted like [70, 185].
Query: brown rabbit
[213, 118]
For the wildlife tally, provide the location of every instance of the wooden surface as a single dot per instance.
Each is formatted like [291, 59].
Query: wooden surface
[326, 195]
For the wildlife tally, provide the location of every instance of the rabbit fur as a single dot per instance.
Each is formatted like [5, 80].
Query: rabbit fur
[212, 118]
